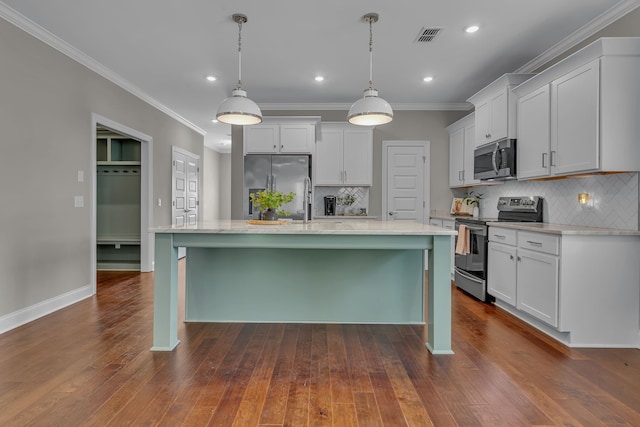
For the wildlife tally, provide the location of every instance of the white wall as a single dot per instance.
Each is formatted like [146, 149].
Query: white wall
[45, 116]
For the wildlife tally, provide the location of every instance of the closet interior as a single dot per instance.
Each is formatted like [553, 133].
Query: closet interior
[118, 201]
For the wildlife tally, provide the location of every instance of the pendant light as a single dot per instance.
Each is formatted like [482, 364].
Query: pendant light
[370, 110]
[238, 109]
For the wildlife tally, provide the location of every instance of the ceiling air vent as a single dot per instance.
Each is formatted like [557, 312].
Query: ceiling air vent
[427, 34]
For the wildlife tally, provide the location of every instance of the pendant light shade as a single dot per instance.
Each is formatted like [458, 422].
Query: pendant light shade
[238, 109]
[370, 110]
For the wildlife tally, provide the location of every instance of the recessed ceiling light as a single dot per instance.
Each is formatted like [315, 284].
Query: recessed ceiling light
[319, 78]
[428, 79]
[472, 28]
[211, 78]
[214, 120]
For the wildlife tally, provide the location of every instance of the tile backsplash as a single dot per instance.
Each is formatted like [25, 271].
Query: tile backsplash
[614, 199]
[359, 194]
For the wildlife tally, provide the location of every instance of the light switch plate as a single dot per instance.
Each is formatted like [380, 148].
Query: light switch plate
[80, 176]
[78, 201]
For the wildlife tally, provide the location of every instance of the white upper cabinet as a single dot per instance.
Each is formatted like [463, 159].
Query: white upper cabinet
[344, 155]
[581, 114]
[574, 120]
[461, 146]
[495, 109]
[281, 135]
[534, 134]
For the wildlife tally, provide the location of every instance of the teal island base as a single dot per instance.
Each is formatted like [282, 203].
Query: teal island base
[305, 285]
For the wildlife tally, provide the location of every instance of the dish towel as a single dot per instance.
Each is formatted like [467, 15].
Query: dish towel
[462, 246]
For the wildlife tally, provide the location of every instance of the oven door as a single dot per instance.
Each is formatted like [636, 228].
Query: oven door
[475, 260]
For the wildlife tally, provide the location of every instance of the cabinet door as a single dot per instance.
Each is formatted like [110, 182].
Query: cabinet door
[358, 157]
[483, 123]
[534, 134]
[263, 138]
[575, 120]
[538, 285]
[499, 115]
[501, 272]
[328, 158]
[469, 147]
[456, 158]
[297, 138]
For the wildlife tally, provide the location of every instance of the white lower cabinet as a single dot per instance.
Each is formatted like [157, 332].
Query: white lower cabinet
[581, 289]
[524, 277]
[537, 279]
[501, 267]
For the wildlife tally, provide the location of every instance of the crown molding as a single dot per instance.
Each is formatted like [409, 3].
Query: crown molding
[459, 106]
[597, 24]
[25, 24]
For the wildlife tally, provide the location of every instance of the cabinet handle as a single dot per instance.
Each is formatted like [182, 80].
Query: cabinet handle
[462, 175]
[500, 236]
[510, 256]
[345, 176]
[544, 160]
[487, 135]
[274, 146]
[553, 158]
[519, 259]
[531, 242]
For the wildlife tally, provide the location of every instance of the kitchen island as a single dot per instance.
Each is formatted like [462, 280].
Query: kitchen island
[320, 272]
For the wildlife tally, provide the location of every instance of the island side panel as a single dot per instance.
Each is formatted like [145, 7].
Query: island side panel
[439, 297]
[305, 285]
[165, 294]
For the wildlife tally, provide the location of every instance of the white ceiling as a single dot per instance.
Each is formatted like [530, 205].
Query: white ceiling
[163, 49]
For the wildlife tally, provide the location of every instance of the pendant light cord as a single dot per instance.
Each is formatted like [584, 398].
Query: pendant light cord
[239, 54]
[370, 53]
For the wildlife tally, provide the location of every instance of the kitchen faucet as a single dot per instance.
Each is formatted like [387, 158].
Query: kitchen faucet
[306, 199]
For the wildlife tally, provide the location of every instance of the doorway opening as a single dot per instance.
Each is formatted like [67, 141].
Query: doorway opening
[121, 198]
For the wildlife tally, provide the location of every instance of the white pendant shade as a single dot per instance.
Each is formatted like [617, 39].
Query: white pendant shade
[370, 110]
[239, 110]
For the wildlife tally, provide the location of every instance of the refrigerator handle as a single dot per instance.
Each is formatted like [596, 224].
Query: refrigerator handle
[268, 186]
[273, 183]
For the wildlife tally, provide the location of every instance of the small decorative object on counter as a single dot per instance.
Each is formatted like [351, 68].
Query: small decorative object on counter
[346, 201]
[269, 203]
[473, 199]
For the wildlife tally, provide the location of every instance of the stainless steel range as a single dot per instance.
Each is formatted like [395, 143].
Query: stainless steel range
[471, 266]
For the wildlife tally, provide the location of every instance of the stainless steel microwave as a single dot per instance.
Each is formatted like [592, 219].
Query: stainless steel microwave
[495, 161]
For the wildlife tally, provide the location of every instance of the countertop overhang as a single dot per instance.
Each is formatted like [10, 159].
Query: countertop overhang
[349, 227]
[544, 227]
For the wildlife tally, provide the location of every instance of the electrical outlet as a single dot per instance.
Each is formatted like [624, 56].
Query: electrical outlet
[78, 201]
[80, 176]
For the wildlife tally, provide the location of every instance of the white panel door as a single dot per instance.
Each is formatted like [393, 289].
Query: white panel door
[185, 192]
[179, 177]
[405, 183]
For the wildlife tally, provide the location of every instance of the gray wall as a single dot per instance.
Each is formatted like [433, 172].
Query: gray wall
[217, 181]
[46, 102]
[406, 125]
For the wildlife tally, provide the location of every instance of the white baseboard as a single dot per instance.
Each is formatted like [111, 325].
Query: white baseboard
[28, 314]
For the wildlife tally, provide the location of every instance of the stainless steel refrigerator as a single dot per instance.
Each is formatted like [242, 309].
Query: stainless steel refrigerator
[285, 173]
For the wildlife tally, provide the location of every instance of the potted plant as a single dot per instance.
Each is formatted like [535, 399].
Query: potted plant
[269, 203]
[346, 201]
[474, 199]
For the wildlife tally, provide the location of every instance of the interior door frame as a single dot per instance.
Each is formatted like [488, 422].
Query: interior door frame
[426, 173]
[146, 192]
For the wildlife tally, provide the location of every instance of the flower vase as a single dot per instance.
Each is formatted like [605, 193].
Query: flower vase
[476, 211]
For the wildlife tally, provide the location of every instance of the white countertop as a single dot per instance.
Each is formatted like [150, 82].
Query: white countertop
[442, 215]
[349, 217]
[543, 227]
[337, 227]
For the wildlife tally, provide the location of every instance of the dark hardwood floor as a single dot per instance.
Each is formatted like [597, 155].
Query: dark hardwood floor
[90, 364]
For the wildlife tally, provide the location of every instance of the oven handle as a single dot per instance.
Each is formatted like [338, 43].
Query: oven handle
[480, 230]
[468, 276]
